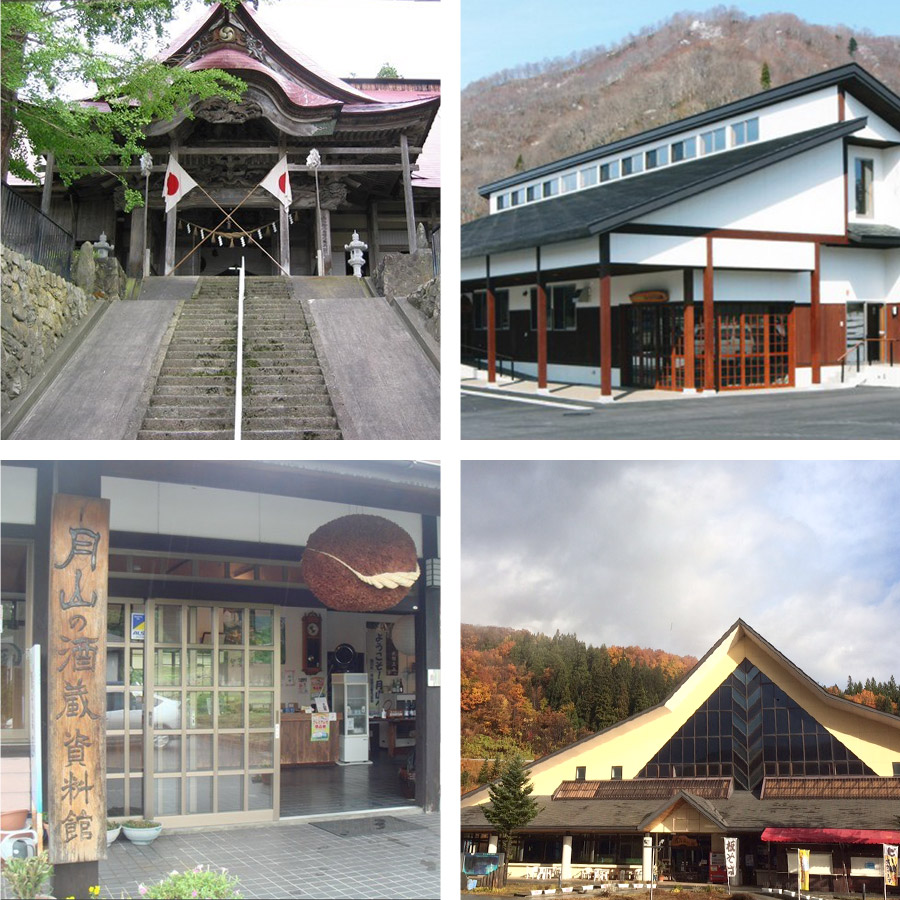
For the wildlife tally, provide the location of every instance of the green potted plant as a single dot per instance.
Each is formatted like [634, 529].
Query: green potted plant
[196, 882]
[27, 876]
[112, 830]
[141, 831]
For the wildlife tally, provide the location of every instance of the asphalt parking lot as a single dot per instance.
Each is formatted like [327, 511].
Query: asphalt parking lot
[862, 413]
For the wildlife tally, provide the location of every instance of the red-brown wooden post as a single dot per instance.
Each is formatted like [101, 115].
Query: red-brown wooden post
[689, 352]
[605, 319]
[542, 335]
[815, 350]
[491, 337]
[709, 322]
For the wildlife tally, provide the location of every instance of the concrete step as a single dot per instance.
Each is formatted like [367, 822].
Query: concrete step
[194, 400]
[182, 435]
[256, 434]
[280, 423]
[188, 419]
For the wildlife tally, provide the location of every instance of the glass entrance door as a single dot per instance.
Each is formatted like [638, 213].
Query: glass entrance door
[657, 347]
[211, 741]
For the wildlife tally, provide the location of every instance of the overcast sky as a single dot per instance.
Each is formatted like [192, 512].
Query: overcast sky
[502, 34]
[669, 554]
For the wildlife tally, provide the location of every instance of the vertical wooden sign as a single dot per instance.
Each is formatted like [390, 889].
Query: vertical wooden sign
[76, 678]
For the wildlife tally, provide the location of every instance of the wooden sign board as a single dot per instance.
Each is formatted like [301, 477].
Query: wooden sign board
[76, 678]
[649, 297]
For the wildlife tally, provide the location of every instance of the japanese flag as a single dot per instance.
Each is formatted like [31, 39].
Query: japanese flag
[278, 182]
[176, 184]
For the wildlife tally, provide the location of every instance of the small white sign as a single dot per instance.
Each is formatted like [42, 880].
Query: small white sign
[434, 678]
[138, 626]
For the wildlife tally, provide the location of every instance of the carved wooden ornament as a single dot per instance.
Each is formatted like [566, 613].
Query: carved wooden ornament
[360, 563]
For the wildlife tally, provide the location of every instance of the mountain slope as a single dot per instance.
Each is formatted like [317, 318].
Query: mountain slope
[692, 62]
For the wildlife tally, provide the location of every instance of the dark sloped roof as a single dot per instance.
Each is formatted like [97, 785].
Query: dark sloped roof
[743, 811]
[874, 235]
[643, 788]
[852, 77]
[584, 213]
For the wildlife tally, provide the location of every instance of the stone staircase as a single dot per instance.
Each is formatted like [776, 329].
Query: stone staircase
[194, 394]
[285, 397]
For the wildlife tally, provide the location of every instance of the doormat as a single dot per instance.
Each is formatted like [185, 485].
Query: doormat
[366, 826]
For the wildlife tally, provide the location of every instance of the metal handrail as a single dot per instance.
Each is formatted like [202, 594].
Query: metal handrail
[856, 347]
[476, 355]
[239, 367]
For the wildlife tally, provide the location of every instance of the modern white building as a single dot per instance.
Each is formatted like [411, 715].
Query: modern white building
[753, 245]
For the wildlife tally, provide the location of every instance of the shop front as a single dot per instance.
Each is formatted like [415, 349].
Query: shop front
[227, 680]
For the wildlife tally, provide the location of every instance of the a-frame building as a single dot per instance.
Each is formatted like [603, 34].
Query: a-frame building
[746, 746]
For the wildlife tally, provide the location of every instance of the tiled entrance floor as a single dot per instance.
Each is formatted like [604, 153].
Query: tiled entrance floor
[314, 790]
[290, 860]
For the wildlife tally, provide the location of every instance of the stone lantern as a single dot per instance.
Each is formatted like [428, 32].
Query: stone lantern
[102, 248]
[356, 247]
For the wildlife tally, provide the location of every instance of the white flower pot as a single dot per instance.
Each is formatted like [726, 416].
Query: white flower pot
[113, 834]
[142, 835]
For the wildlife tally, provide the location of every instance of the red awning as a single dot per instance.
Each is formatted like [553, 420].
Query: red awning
[830, 836]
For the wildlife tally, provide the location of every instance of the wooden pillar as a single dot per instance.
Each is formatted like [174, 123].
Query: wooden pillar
[47, 194]
[709, 322]
[689, 350]
[408, 194]
[815, 319]
[374, 252]
[541, 325]
[284, 235]
[605, 318]
[428, 694]
[81, 478]
[490, 312]
[136, 242]
[326, 241]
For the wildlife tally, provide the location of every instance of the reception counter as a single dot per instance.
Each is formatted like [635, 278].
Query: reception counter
[296, 747]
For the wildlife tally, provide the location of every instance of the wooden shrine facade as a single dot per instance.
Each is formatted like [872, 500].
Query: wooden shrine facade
[370, 140]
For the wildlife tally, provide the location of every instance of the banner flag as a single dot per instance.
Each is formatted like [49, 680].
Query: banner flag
[731, 857]
[890, 865]
[803, 869]
[278, 182]
[177, 183]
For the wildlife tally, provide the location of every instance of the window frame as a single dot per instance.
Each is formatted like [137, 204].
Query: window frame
[716, 138]
[22, 736]
[861, 165]
[613, 171]
[479, 299]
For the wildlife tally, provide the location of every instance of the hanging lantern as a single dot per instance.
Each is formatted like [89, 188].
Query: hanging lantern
[404, 635]
[360, 563]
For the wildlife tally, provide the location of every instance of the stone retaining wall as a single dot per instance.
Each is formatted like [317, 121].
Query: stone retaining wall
[38, 310]
[412, 276]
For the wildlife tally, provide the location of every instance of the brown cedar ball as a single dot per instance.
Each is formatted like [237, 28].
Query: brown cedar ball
[371, 545]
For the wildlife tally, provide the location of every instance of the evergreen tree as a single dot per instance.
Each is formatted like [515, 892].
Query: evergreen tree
[765, 77]
[852, 46]
[484, 773]
[512, 805]
[520, 164]
[387, 71]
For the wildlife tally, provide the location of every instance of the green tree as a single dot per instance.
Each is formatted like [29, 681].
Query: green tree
[387, 71]
[852, 46]
[484, 773]
[520, 164]
[512, 805]
[47, 44]
[765, 77]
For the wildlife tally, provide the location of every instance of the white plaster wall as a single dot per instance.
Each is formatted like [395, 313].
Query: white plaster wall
[804, 194]
[658, 250]
[512, 263]
[474, 267]
[585, 252]
[163, 508]
[623, 285]
[892, 274]
[18, 495]
[876, 128]
[743, 254]
[761, 287]
[850, 275]
[799, 114]
[570, 374]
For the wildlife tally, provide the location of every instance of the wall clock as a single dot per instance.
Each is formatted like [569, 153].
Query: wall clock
[312, 643]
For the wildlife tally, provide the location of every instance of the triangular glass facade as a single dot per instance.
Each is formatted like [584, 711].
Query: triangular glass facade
[747, 729]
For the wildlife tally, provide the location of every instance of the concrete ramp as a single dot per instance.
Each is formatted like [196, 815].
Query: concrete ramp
[381, 382]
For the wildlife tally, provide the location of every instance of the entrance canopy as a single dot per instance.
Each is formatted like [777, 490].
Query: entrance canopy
[830, 836]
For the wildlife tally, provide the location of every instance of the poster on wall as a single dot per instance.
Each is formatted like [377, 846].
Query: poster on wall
[321, 729]
[138, 626]
[383, 657]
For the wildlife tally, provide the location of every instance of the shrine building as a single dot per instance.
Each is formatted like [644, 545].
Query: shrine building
[755, 245]
[376, 175]
[747, 746]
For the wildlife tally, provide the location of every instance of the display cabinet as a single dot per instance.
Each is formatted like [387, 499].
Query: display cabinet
[350, 692]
